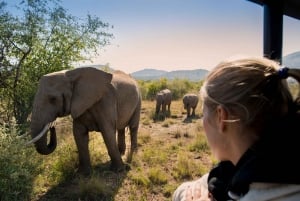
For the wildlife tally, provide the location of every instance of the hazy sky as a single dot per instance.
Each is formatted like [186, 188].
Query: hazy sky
[180, 34]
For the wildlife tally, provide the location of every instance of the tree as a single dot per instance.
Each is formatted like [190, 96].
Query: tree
[41, 38]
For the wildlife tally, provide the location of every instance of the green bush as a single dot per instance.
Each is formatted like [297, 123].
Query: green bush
[17, 173]
[178, 87]
[157, 176]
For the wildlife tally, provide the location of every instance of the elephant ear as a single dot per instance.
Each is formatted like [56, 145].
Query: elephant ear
[89, 86]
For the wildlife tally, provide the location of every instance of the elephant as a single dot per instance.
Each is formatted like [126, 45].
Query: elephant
[163, 101]
[97, 101]
[190, 102]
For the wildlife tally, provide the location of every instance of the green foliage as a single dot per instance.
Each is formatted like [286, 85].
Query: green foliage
[41, 38]
[200, 144]
[157, 176]
[169, 189]
[184, 167]
[154, 156]
[141, 179]
[17, 173]
[144, 138]
[95, 188]
[63, 167]
[178, 87]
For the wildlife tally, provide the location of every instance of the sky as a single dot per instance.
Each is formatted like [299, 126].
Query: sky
[180, 34]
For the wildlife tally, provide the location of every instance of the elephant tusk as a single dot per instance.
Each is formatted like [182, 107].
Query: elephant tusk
[49, 125]
[41, 134]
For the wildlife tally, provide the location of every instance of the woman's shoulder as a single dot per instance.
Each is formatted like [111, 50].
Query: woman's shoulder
[271, 191]
[192, 190]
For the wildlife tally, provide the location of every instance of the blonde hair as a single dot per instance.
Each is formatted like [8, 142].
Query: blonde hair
[251, 90]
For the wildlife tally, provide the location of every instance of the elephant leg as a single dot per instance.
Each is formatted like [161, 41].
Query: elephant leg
[188, 111]
[133, 127]
[193, 113]
[157, 109]
[133, 138]
[109, 137]
[121, 141]
[164, 108]
[169, 111]
[81, 137]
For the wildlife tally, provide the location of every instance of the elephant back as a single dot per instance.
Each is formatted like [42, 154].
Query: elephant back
[128, 95]
[166, 95]
[191, 99]
[165, 91]
[121, 79]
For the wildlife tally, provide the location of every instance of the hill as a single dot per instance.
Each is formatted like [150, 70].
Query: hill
[152, 74]
[292, 60]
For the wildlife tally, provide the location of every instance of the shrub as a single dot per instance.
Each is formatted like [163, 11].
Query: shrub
[17, 173]
[157, 176]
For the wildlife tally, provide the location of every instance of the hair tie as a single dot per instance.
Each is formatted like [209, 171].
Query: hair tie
[283, 72]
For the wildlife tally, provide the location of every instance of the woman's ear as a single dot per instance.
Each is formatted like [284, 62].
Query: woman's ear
[89, 86]
[222, 116]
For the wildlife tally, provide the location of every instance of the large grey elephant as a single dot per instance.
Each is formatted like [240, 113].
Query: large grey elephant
[96, 101]
[190, 102]
[163, 101]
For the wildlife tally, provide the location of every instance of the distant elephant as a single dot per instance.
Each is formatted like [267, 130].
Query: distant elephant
[190, 102]
[163, 101]
[97, 101]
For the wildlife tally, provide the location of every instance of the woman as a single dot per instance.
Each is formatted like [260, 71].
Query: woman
[252, 124]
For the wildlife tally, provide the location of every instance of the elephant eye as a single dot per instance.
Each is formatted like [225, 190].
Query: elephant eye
[52, 99]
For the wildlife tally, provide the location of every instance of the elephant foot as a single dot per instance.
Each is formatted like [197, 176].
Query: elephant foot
[122, 150]
[134, 149]
[119, 168]
[84, 171]
[127, 167]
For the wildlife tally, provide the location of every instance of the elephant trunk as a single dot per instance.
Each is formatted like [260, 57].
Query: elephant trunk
[41, 144]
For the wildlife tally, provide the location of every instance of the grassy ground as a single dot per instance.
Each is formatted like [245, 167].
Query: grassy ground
[171, 151]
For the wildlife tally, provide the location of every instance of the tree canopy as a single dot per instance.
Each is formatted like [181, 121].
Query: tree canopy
[41, 37]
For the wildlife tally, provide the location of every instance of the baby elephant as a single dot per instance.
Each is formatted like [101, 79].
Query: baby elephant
[190, 101]
[163, 101]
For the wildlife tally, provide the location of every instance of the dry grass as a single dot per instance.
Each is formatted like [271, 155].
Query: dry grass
[170, 152]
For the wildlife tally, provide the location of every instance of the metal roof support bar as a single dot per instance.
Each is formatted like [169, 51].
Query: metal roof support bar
[273, 28]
